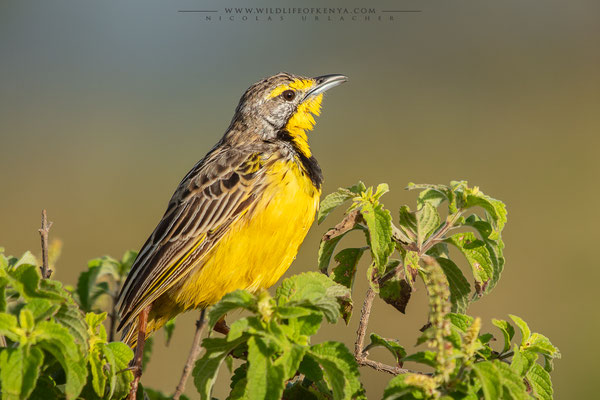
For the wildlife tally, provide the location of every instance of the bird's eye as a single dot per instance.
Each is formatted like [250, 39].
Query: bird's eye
[288, 95]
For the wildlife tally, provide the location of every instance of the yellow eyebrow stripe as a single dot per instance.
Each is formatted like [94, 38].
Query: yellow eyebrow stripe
[298, 84]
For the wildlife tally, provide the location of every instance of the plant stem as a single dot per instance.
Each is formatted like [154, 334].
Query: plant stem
[194, 351]
[46, 272]
[139, 352]
[365, 313]
[438, 236]
[359, 354]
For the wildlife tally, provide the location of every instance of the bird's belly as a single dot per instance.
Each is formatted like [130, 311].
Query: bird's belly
[260, 246]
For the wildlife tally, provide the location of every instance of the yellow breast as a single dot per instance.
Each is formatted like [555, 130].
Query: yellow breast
[261, 245]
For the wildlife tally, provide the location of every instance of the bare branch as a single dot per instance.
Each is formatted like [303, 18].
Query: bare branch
[194, 351]
[139, 352]
[46, 272]
[365, 313]
[359, 353]
[377, 366]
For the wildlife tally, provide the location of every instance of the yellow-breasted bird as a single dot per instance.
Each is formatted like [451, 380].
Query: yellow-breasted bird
[238, 217]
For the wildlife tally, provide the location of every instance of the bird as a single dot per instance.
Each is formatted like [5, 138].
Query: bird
[239, 216]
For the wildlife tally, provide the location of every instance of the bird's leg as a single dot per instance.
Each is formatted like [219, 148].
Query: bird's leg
[221, 326]
[139, 352]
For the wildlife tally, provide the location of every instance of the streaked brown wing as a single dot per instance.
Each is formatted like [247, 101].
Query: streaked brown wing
[212, 195]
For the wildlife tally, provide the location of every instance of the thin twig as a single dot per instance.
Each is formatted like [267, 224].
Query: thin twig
[365, 313]
[377, 366]
[194, 351]
[46, 272]
[139, 352]
[359, 353]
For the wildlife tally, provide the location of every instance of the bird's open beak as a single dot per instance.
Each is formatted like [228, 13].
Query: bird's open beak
[324, 83]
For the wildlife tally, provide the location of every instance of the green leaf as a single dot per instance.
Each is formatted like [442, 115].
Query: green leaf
[27, 259]
[207, 367]
[432, 197]
[345, 272]
[71, 317]
[439, 250]
[25, 280]
[379, 222]
[490, 380]
[411, 386]
[396, 292]
[507, 331]
[41, 309]
[327, 247]
[340, 370]
[9, 327]
[3, 283]
[436, 194]
[411, 266]
[127, 262]
[26, 320]
[428, 221]
[310, 368]
[314, 290]
[478, 257]
[422, 357]
[264, 380]
[118, 355]
[238, 382]
[512, 382]
[19, 371]
[169, 329]
[290, 360]
[231, 301]
[391, 344]
[459, 286]
[96, 362]
[75, 370]
[495, 247]
[45, 389]
[52, 332]
[87, 292]
[523, 327]
[337, 198]
[461, 321]
[494, 208]
[407, 223]
[540, 382]
[522, 361]
[541, 344]
[56, 340]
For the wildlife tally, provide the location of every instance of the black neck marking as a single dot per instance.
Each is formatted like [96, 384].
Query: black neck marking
[309, 165]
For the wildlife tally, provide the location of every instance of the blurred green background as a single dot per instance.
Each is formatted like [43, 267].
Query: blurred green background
[105, 105]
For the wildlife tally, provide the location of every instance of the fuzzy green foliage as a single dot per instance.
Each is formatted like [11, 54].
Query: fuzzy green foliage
[51, 348]
[465, 366]
[58, 344]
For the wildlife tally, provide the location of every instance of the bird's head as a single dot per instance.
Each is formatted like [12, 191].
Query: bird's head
[285, 103]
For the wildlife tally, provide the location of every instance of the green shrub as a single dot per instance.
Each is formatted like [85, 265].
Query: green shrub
[55, 346]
